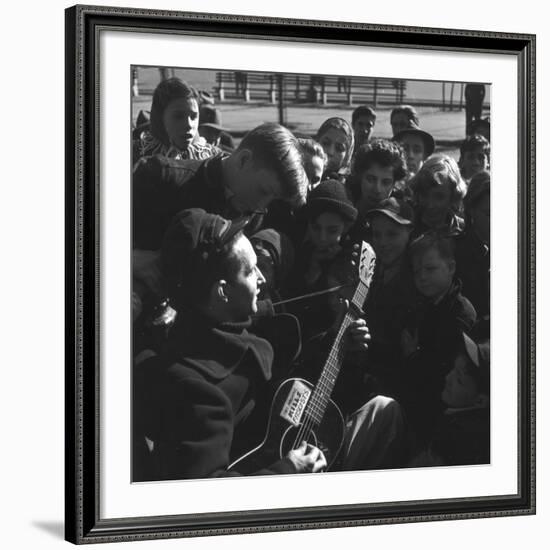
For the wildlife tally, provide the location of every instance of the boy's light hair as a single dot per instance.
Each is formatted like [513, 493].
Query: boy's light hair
[275, 148]
[439, 169]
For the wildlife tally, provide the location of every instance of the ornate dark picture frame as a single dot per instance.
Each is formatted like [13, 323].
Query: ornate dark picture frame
[83, 26]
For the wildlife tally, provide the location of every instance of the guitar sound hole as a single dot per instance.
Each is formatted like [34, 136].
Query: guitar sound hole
[290, 441]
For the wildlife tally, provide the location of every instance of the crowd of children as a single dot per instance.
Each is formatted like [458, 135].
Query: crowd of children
[427, 218]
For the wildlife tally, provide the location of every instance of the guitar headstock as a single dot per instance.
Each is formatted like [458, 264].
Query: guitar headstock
[366, 264]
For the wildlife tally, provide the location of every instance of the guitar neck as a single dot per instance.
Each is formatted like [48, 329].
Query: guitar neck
[318, 402]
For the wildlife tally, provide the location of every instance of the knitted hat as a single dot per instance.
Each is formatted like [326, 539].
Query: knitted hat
[191, 248]
[399, 211]
[331, 196]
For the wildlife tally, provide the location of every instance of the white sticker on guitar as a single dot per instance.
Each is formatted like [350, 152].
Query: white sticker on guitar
[295, 403]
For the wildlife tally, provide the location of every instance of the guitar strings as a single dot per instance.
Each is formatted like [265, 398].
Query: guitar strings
[316, 405]
[323, 390]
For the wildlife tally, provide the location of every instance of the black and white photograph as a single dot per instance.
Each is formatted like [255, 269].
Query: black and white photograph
[296, 304]
[257, 290]
[310, 273]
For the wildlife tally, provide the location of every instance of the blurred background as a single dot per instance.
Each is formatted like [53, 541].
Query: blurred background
[303, 101]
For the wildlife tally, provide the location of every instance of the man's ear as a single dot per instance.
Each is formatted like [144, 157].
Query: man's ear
[219, 291]
[244, 157]
[452, 266]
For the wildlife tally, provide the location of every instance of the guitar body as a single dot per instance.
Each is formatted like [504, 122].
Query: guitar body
[301, 411]
[286, 419]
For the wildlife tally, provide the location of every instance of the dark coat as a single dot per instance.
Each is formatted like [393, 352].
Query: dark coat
[162, 187]
[193, 403]
[473, 265]
[389, 307]
[439, 327]
[462, 436]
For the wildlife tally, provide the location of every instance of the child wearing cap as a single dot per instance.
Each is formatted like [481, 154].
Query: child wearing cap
[392, 293]
[438, 192]
[330, 214]
[336, 137]
[473, 260]
[474, 156]
[428, 341]
[418, 146]
[462, 432]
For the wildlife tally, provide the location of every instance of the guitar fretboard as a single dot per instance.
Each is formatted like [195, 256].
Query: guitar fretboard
[318, 401]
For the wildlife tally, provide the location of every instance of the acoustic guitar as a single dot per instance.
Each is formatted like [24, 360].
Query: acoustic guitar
[303, 411]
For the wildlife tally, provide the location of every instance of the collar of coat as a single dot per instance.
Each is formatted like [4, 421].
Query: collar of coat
[218, 350]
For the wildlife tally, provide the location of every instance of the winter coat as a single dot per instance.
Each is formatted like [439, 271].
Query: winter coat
[195, 403]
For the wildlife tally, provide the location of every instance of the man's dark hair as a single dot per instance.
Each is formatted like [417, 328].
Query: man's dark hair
[164, 94]
[377, 151]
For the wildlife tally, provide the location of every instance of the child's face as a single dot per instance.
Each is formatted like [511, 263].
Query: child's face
[460, 389]
[389, 239]
[433, 275]
[363, 129]
[266, 266]
[376, 184]
[481, 219]
[435, 204]
[181, 121]
[314, 170]
[335, 144]
[473, 162]
[415, 153]
[325, 233]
